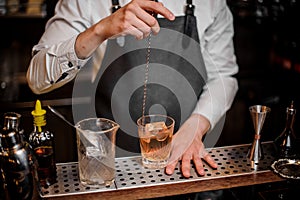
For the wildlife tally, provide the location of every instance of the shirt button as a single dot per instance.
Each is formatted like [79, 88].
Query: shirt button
[70, 64]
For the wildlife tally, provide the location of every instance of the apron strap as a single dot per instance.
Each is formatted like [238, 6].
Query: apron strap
[115, 5]
[189, 9]
[189, 18]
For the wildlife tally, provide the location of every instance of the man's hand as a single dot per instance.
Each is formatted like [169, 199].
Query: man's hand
[188, 146]
[135, 19]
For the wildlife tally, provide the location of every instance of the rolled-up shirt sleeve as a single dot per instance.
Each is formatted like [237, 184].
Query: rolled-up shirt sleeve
[51, 68]
[54, 61]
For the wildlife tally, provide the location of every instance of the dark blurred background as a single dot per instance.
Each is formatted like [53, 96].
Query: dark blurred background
[267, 48]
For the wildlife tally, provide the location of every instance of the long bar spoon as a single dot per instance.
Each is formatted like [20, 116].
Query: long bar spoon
[82, 135]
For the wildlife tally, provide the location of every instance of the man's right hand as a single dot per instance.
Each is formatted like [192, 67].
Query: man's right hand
[136, 19]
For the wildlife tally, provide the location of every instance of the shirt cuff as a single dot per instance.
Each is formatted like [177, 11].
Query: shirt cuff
[67, 59]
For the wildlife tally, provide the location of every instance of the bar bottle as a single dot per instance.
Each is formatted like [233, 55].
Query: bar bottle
[42, 142]
[285, 143]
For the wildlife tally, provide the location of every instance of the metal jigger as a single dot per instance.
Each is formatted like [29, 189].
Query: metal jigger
[258, 114]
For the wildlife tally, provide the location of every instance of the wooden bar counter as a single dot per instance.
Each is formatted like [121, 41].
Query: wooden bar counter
[133, 181]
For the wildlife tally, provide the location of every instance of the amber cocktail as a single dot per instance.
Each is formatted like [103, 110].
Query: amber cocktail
[155, 132]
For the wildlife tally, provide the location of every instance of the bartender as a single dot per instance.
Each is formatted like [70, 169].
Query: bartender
[191, 66]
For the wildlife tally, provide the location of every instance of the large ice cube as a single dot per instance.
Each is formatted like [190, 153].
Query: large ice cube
[155, 126]
[89, 138]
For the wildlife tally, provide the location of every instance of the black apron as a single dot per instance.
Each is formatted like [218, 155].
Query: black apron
[176, 77]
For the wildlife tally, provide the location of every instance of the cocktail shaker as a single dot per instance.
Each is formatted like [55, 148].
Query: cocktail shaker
[16, 162]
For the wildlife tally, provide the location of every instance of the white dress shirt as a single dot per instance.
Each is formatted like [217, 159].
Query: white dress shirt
[54, 54]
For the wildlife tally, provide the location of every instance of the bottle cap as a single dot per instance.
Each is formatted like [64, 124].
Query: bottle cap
[11, 120]
[39, 115]
[38, 109]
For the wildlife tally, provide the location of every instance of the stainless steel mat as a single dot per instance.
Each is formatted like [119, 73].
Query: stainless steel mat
[231, 160]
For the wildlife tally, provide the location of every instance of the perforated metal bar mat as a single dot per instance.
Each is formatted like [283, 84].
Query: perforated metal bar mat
[231, 160]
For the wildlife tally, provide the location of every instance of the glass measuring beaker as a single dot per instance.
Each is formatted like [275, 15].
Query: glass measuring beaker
[96, 139]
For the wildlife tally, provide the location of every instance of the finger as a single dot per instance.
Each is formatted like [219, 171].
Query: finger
[137, 33]
[186, 166]
[129, 24]
[143, 28]
[159, 8]
[171, 167]
[202, 152]
[210, 161]
[199, 166]
[146, 21]
[180, 143]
